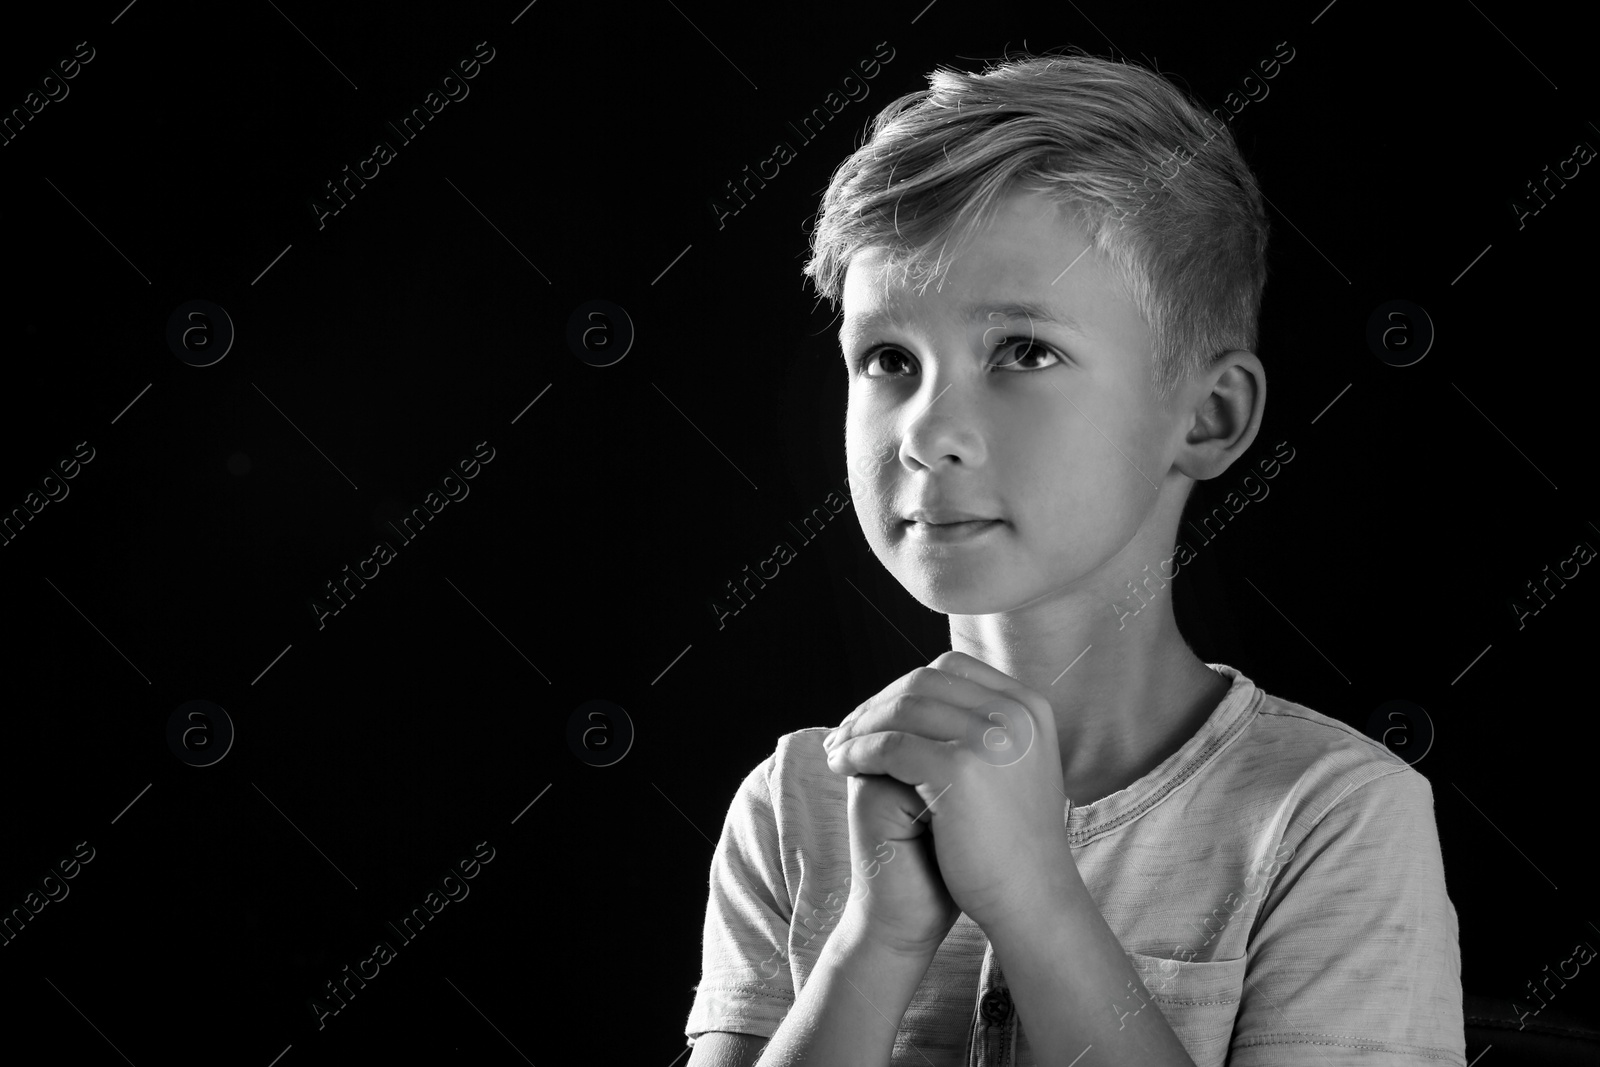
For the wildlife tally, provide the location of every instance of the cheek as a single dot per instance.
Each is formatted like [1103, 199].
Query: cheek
[1082, 501]
[870, 458]
[1115, 464]
[1055, 471]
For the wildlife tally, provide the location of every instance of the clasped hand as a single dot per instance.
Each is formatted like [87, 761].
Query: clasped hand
[979, 753]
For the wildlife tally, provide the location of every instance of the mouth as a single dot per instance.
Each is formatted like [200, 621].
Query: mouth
[948, 525]
[949, 532]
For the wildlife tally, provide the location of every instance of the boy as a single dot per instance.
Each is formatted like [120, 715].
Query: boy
[1045, 350]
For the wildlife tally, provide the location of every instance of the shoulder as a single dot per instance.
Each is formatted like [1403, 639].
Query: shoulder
[1295, 750]
[1337, 802]
[801, 751]
[793, 788]
[789, 819]
[795, 756]
[797, 771]
[1288, 723]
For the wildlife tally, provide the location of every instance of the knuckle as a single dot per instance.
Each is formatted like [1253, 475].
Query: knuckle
[904, 702]
[878, 744]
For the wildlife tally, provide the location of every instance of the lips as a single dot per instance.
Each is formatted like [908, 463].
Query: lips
[946, 516]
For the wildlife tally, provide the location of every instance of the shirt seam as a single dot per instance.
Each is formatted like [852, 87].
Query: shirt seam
[753, 992]
[1429, 1051]
[1289, 710]
[1198, 1002]
[1182, 775]
[1323, 816]
[1261, 912]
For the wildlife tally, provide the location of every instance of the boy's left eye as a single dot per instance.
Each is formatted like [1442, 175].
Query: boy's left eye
[1014, 350]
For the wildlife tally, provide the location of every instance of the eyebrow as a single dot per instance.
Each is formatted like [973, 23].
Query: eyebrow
[980, 312]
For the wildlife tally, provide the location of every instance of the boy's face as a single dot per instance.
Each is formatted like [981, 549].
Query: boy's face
[1051, 429]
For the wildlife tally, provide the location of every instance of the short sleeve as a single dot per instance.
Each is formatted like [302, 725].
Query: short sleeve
[1355, 958]
[745, 983]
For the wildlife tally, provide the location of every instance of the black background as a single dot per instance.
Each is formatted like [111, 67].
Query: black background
[378, 350]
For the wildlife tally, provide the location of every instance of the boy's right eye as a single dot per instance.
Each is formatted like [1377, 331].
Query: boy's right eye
[871, 356]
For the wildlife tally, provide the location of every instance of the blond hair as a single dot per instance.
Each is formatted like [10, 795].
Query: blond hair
[1158, 185]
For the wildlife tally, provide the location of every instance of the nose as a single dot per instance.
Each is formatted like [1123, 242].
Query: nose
[946, 431]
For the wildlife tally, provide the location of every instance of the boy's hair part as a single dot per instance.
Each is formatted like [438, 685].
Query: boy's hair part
[1157, 183]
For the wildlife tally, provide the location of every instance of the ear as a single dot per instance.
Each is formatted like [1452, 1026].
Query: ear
[1223, 407]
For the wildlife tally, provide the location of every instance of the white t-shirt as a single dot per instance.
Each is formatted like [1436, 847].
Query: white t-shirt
[1277, 883]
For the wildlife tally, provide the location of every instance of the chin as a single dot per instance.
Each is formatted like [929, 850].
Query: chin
[965, 593]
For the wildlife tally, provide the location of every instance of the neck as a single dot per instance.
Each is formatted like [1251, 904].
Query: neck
[1124, 697]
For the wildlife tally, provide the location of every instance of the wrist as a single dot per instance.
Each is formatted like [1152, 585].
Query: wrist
[858, 934]
[1059, 891]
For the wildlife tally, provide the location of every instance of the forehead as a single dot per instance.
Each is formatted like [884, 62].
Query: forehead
[1030, 262]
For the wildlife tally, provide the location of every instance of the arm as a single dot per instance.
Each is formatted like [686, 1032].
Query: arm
[849, 1010]
[1075, 988]
[719, 1048]
[1357, 941]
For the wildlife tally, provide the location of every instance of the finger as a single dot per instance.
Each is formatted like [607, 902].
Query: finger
[905, 757]
[928, 717]
[998, 729]
[906, 798]
[1000, 732]
[1023, 719]
[975, 670]
[883, 712]
[1004, 731]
